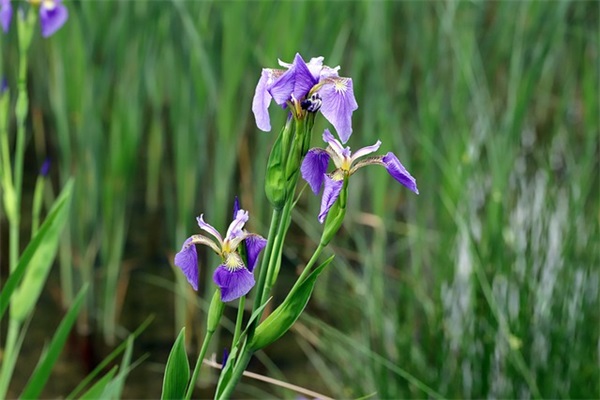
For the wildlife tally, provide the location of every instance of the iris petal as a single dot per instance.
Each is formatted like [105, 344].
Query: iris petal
[330, 194]
[53, 15]
[296, 81]
[314, 167]
[187, 261]
[338, 105]
[398, 172]
[254, 245]
[233, 283]
[209, 228]
[366, 150]
[236, 226]
[261, 102]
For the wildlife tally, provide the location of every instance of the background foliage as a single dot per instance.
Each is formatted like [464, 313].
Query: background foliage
[484, 285]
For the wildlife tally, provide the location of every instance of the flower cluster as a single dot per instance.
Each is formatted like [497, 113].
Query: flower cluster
[233, 276]
[306, 88]
[314, 169]
[53, 15]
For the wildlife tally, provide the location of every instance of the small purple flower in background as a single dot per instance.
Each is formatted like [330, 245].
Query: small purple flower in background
[307, 87]
[45, 168]
[233, 277]
[53, 15]
[314, 169]
[3, 86]
[5, 14]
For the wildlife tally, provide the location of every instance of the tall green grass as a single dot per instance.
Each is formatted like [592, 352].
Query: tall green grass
[485, 285]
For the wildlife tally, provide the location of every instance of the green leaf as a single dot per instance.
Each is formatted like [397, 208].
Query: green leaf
[282, 319]
[116, 386]
[41, 257]
[42, 371]
[108, 359]
[177, 371]
[26, 296]
[97, 390]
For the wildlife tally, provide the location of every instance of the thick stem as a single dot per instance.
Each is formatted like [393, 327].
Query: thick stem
[238, 371]
[264, 266]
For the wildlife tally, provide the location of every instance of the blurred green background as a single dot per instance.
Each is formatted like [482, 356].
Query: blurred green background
[484, 285]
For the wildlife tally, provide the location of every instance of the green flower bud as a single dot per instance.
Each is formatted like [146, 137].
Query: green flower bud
[275, 180]
[215, 311]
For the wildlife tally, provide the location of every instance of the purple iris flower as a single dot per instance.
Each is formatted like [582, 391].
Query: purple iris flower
[306, 87]
[5, 14]
[53, 15]
[314, 169]
[233, 276]
[45, 168]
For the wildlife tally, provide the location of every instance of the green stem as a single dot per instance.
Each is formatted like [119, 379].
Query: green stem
[192, 383]
[309, 266]
[264, 265]
[37, 205]
[275, 255]
[239, 320]
[238, 371]
[10, 356]
[247, 352]
[12, 346]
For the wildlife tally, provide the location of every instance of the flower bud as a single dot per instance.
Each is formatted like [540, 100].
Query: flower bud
[215, 311]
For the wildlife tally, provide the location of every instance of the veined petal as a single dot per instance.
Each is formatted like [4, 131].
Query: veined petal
[328, 72]
[187, 261]
[254, 245]
[209, 228]
[233, 283]
[315, 65]
[237, 225]
[365, 150]
[262, 98]
[337, 95]
[53, 15]
[330, 195]
[5, 14]
[398, 172]
[296, 81]
[314, 167]
[335, 145]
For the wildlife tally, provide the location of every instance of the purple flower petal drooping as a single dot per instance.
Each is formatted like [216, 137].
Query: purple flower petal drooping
[330, 194]
[233, 277]
[346, 164]
[233, 283]
[254, 245]
[5, 14]
[398, 172]
[311, 87]
[187, 261]
[314, 167]
[338, 103]
[262, 98]
[53, 15]
[296, 82]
